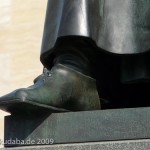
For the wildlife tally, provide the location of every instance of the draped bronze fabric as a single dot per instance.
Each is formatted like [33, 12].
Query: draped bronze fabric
[117, 26]
[114, 26]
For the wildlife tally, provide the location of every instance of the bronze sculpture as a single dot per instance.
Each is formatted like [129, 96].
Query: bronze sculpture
[79, 37]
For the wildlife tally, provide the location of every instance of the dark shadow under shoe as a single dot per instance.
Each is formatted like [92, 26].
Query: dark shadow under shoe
[61, 89]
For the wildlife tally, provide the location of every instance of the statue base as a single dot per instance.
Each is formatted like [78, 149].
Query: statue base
[99, 128]
[113, 145]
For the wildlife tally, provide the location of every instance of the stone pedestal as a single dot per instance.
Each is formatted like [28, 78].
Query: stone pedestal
[115, 145]
[99, 127]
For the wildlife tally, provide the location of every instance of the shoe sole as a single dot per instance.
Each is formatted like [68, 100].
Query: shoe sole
[27, 107]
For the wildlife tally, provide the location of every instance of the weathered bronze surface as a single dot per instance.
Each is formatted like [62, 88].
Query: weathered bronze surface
[104, 35]
[59, 90]
[116, 26]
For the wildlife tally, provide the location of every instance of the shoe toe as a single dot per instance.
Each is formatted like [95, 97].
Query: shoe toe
[17, 95]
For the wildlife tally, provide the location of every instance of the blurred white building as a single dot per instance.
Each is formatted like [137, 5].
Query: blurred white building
[21, 27]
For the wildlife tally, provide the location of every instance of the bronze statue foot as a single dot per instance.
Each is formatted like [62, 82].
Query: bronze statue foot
[59, 90]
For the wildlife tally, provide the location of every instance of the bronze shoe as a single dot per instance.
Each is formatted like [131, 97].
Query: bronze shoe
[59, 90]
